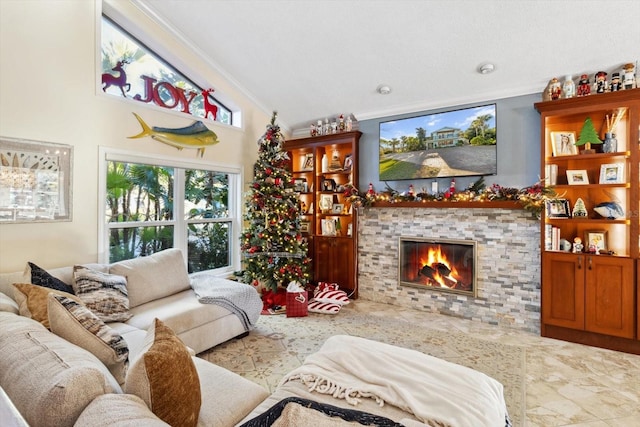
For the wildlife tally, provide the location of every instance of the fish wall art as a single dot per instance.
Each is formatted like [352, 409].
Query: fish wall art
[196, 135]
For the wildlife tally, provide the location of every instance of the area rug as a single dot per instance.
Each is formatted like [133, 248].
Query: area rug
[279, 344]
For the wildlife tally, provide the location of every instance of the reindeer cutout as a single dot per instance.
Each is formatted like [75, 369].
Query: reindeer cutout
[120, 80]
[208, 106]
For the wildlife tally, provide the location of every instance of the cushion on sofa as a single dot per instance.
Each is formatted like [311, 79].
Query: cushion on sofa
[49, 380]
[165, 377]
[39, 276]
[220, 407]
[131, 412]
[8, 304]
[78, 325]
[32, 301]
[152, 277]
[103, 293]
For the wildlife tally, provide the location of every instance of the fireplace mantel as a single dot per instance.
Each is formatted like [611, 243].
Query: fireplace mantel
[491, 204]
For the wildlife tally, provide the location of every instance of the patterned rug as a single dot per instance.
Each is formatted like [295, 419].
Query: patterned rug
[279, 344]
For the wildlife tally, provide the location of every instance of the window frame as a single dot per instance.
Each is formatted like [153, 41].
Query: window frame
[180, 222]
[110, 10]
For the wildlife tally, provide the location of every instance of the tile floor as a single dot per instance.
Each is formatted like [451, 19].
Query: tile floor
[567, 384]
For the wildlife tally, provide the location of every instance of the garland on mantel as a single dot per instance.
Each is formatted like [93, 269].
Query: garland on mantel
[532, 198]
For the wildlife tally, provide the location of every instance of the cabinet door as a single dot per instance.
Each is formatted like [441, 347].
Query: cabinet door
[563, 286]
[609, 296]
[333, 262]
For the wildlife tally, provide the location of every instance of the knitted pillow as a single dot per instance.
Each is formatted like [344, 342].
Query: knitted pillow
[165, 377]
[40, 277]
[32, 301]
[78, 325]
[104, 294]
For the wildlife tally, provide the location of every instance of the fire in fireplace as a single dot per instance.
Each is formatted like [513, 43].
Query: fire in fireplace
[439, 264]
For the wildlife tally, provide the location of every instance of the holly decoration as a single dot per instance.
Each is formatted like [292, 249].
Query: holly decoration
[588, 134]
[275, 253]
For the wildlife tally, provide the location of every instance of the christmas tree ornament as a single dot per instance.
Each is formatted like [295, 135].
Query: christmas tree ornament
[588, 136]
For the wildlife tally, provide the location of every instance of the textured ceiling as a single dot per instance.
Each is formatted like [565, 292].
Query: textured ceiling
[315, 59]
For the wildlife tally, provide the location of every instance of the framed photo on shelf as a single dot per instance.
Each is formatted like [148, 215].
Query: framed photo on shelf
[328, 185]
[305, 226]
[612, 173]
[337, 208]
[595, 240]
[558, 208]
[325, 203]
[300, 185]
[348, 162]
[328, 227]
[563, 143]
[306, 162]
[577, 177]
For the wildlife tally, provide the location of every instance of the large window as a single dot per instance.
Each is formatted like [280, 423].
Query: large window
[132, 70]
[151, 204]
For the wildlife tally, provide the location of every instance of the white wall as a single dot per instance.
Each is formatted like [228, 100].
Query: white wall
[48, 93]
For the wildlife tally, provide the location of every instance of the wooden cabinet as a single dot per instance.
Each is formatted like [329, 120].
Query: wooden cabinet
[322, 166]
[589, 292]
[587, 297]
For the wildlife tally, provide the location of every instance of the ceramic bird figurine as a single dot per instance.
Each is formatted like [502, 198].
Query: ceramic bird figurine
[609, 210]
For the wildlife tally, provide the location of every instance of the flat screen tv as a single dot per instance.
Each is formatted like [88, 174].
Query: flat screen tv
[446, 144]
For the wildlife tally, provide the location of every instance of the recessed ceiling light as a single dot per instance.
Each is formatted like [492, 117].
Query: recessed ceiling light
[486, 68]
[383, 90]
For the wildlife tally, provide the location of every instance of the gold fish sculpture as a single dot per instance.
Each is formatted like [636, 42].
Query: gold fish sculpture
[196, 135]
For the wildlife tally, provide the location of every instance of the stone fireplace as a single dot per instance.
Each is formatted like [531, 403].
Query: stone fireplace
[439, 264]
[506, 289]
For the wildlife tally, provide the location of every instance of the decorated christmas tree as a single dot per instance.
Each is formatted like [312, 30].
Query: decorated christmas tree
[588, 134]
[273, 247]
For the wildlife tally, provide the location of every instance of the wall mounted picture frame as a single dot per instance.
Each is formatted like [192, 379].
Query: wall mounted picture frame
[35, 181]
[612, 173]
[558, 208]
[337, 208]
[306, 162]
[595, 240]
[563, 143]
[577, 177]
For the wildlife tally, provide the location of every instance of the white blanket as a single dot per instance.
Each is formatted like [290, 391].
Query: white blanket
[432, 389]
[239, 298]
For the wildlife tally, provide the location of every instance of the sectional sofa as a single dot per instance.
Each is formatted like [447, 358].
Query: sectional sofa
[62, 365]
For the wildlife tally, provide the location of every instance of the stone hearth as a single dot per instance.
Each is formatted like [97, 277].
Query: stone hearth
[508, 257]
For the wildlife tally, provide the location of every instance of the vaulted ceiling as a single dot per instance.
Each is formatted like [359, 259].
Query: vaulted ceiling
[311, 59]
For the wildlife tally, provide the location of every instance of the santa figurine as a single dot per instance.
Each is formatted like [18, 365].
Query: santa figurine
[370, 191]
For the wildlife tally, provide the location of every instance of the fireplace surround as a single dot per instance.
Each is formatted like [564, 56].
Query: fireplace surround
[507, 267]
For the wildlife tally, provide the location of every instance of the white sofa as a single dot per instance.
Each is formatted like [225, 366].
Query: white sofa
[46, 380]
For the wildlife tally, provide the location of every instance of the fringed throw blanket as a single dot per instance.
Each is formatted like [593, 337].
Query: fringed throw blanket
[437, 392]
[239, 298]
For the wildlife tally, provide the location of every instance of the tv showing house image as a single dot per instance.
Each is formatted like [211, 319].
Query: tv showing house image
[446, 144]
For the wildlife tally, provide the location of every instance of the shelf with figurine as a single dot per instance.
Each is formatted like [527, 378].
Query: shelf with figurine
[337, 125]
[622, 79]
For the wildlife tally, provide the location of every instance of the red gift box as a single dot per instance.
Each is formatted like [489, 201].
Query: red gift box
[297, 304]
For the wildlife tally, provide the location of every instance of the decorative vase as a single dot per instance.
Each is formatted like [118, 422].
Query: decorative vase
[610, 143]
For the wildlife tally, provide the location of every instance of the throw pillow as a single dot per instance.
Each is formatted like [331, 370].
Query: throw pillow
[324, 307]
[335, 297]
[40, 277]
[32, 301]
[165, 377]
[103, 293]
[78, 325]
